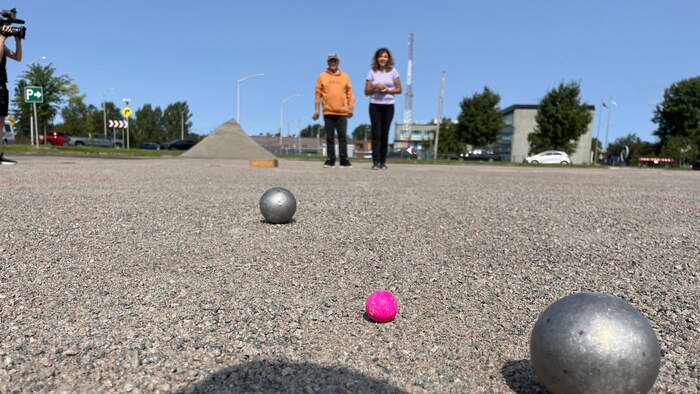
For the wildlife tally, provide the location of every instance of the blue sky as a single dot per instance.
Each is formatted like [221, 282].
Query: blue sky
[159, 52]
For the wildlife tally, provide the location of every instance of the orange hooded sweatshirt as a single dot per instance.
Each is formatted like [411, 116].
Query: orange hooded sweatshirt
[336, 92]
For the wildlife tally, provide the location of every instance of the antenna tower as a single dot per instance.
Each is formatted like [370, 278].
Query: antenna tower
[408, 101]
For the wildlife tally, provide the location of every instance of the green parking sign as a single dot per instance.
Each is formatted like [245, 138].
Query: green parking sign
[33, 94]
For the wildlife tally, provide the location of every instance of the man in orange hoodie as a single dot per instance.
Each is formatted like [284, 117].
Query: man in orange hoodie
[333, 87]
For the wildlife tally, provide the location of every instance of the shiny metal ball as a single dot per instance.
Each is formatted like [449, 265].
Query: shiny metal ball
[594, 343]
[278, 205]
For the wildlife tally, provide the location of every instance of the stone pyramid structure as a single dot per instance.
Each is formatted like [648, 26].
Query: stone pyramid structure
[229, 141]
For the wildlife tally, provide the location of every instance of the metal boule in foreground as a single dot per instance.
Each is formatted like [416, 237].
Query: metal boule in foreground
[594, 343]
[278, 205]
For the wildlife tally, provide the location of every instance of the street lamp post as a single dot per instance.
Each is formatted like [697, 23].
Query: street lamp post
[282, 114]
[126, 103]
[104, 109]
[299, 135]
[607, 127]
[238, 95]
[37, 59]
[597, 134]
[299, 138]
[439, 117]
[182, 125]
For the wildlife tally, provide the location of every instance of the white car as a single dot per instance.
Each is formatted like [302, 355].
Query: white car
[549, 157]
[9, 136]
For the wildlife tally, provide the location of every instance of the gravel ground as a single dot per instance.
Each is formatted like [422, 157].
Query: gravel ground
[160, 275]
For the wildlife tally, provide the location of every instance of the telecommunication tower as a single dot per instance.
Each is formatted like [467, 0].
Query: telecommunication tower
[408, 101]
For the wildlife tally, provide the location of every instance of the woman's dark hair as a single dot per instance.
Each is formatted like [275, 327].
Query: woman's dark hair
[375, 59]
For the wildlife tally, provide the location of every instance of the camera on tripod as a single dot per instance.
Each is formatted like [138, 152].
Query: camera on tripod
[8, 17]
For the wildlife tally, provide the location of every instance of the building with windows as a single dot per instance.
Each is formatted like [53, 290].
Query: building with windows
[413, 135]
[520, 122]
[513, 145]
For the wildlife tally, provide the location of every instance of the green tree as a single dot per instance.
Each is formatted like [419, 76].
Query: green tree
[176, 117]
[95, 119]
[55, 89]
[637, 147]
[147, 125]
[362, 131]
[74, 113]
[22, 112]
[561, 119]
[96, 116]
[679, 114]
[595, 143]
[112, 112]
[448, 141]
[312, 131]
[679, 148]
[480, 121]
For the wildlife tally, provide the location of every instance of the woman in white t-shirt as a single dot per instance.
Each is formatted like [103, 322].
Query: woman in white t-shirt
[383, 84]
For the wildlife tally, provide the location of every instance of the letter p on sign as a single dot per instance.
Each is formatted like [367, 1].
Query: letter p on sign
[33, 94]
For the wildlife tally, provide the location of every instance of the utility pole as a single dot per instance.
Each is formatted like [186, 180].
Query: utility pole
[282, 115]
[126, 102]
[104, 108]
[597, 134]
[439, 117]
[408, 94]
[238, 95]
[182, 125]
[607, 128]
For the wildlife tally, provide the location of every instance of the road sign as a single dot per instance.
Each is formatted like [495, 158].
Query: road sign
[33, 94]
[126, 111]
[118, 124]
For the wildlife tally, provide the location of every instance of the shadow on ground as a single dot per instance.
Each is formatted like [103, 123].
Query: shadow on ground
[521, 377]
[282, 376]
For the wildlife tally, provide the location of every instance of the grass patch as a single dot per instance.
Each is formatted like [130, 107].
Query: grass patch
[27, 149]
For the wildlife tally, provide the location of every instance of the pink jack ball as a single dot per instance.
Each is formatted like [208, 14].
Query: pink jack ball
[381, 306]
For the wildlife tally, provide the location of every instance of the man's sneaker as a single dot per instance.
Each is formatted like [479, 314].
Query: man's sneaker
[328, 164]
[6, 162]
[382, 166]
[345, 164]
[375, 166]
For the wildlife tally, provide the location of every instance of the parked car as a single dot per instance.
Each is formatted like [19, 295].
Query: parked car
[9, 136]
[149, 145]
[96, 140]
[403, 153]
[549, 157]
[696, 165]
[179, 144]
[483, 155]
[57, 138]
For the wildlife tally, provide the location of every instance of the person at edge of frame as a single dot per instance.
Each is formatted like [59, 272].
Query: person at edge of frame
[6, 53]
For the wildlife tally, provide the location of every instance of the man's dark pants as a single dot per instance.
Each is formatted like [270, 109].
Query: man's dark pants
[337, 123]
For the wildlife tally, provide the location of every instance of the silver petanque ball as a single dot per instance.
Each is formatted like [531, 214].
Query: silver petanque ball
[594, 343]
[278, 205]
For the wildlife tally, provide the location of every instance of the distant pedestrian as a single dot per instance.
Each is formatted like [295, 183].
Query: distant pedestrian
[5, 53]
[333, 87]
[382, 85]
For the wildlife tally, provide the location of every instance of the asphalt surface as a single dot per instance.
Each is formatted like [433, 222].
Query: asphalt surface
[160, 275]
